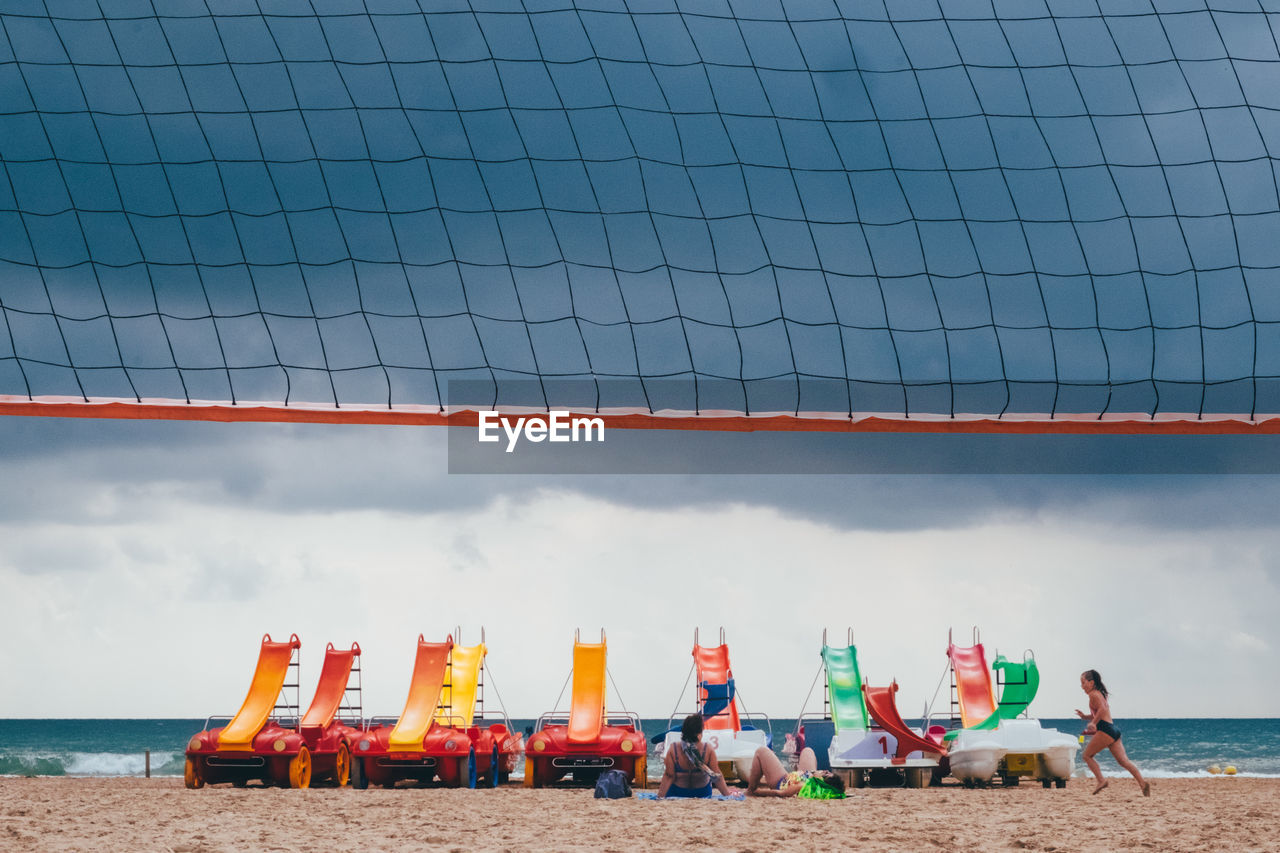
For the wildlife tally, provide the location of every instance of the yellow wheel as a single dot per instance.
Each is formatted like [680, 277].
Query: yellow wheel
[191, 773]
[530, 773]
[342, 766]
[300, 769]
[641, 773]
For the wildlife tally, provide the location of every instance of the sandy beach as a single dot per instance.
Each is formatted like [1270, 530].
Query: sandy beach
[61, 814]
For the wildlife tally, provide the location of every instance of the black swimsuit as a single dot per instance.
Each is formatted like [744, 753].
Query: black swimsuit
[1108, 729]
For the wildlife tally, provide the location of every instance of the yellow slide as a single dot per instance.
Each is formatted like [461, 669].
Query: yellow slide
[268, 679]
[586, 713]
[424, 693]
[458, 698]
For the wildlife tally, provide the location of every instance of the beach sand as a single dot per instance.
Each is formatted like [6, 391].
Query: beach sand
[159, 814]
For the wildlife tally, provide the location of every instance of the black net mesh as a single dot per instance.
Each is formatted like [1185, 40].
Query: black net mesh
[921, 207]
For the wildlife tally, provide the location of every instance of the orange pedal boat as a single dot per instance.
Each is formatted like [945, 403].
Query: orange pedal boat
[589, 740]
[439, 736]
[267, 741]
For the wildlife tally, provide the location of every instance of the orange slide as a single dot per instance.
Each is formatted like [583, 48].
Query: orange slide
[268, 679]
[586, 714]
[424, 693]
[331, 689]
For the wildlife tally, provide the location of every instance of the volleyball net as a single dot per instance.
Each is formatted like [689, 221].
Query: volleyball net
[691, 213]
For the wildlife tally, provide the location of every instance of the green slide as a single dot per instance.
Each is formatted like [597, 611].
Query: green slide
[1021, 681]
[844, 684]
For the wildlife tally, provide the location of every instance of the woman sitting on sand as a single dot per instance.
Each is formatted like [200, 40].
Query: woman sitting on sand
[1104, 732]
[691, 765]
[768, 778]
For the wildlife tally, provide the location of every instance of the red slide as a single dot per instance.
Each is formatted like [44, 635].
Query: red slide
[331, 690]
[884, 710]
[973, 683]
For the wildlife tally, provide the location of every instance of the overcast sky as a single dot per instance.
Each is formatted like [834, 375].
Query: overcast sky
[887, 205]
[142, 562]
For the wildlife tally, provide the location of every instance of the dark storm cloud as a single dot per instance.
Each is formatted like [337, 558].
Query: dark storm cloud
[85, 472]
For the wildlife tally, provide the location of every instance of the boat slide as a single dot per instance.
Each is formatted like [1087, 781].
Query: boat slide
[274, 660]
[912, 749]
[331, 690]
[587, 702]
[974, 690]
[425, 687]
[458, 694]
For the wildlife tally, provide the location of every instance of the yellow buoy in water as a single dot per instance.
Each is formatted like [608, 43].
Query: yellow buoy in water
[1230, 770]
[1214, 769]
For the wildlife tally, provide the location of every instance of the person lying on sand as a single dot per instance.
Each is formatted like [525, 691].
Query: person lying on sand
[1105, 734]
[768, 778]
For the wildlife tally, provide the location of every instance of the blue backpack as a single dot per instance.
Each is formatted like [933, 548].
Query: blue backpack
[612, 785]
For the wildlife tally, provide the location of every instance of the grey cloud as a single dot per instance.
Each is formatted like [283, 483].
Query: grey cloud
[48, 555]
[231, 576]
[86, 472]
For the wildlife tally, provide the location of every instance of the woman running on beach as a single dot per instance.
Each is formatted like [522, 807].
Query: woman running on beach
[1105, 734]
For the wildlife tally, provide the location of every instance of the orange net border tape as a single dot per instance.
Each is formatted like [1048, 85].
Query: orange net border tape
[1075, 424]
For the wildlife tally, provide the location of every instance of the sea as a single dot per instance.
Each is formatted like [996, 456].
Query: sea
[1162, 748]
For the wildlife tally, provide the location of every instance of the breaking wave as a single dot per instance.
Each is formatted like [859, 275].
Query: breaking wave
[90, 764]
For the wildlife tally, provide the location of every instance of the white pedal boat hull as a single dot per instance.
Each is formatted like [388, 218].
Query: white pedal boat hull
[976, 756]
[871, 749]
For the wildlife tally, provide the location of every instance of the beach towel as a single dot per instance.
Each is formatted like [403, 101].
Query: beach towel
[734, 797]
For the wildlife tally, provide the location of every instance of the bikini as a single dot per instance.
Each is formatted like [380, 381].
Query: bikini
[1108, 729]
[692, 791]
[793, 778]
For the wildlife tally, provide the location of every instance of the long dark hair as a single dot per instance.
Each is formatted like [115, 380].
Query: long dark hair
[690, 735]
[1092, 675]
